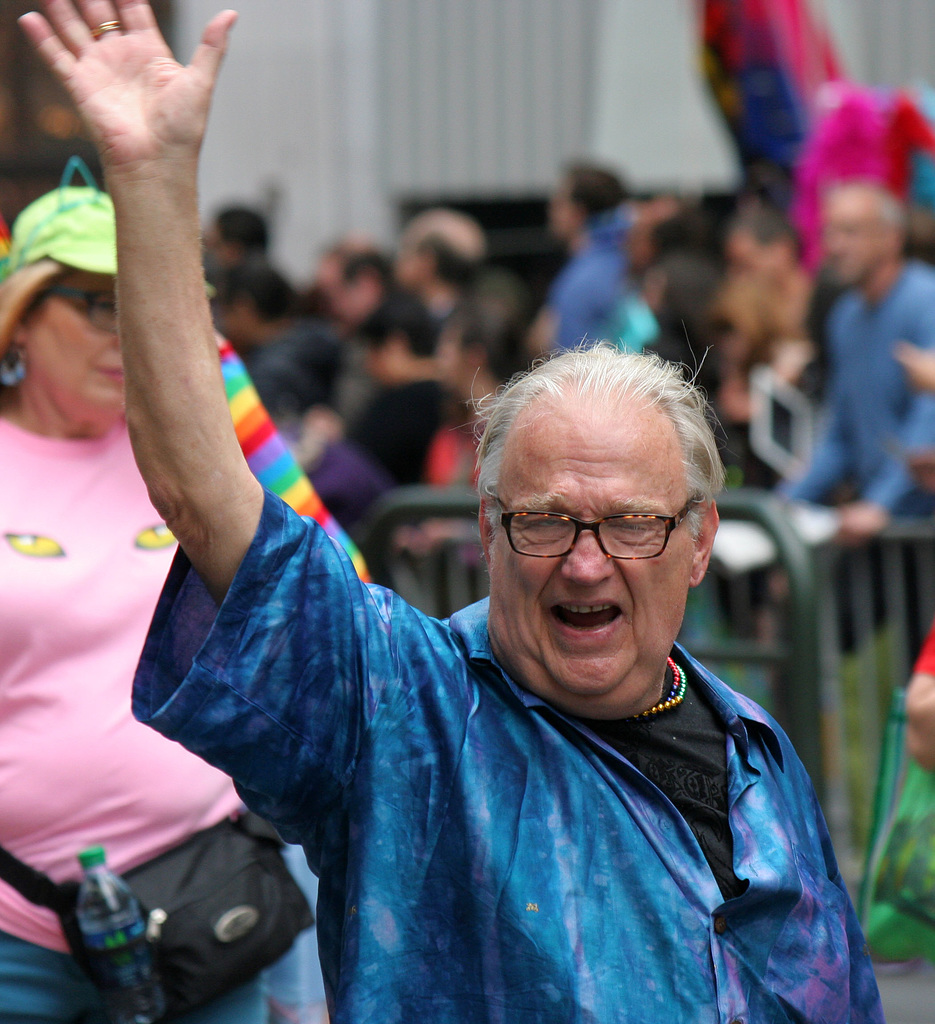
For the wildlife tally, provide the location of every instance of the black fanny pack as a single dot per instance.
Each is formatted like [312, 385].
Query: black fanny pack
[220, 907]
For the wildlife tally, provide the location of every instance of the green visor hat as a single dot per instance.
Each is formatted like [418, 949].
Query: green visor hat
[70, 227]
[73, 225]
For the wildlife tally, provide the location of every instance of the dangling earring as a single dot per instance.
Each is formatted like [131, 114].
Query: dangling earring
[12, 367]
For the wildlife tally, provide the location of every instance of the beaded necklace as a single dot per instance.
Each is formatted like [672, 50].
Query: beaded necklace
[675, 697]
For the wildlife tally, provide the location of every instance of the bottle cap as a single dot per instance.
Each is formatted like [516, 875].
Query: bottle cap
[92, 856]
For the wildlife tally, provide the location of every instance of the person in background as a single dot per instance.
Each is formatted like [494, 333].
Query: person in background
[919, 365]
[317, 298]
[749, 331]
[642, 238]
[293, 360]
[586, 214]
[539, 809]
[479, 349]
[666, 236]
[235, 234]
[397, 426]
[761, 246]
[874, 420]
[365, 281]
[351, 282]
[83, 555]
[679, 289]
[438, 258]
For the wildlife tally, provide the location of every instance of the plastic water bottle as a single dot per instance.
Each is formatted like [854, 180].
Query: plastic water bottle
[114, 933]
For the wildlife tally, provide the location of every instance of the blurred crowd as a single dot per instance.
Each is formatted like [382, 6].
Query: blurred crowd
[818, 378]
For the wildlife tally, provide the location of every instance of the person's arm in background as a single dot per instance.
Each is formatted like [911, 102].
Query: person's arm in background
[833, 460]
[828, 466]
[915, 352]
[919, 365]
[897, 478]
[147, 115]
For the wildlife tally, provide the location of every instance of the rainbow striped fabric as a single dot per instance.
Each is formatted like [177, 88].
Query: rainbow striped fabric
[4, 237]
[268, 457]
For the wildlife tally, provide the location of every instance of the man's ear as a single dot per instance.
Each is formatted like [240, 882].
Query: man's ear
[703, 545]
[486, 530]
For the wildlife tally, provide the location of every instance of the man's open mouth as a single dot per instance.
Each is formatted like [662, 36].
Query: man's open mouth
[585, 616]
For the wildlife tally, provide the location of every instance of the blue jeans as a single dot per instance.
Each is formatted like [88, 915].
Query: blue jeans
[41, 986]
[296, 991]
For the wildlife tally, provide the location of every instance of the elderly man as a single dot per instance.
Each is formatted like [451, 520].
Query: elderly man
[875, 420]
[540, 810]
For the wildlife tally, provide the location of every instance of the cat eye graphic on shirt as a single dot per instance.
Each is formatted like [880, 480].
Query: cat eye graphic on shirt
[155, 538]
[34, 546]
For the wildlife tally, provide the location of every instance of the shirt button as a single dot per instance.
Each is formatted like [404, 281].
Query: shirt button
[720, 926]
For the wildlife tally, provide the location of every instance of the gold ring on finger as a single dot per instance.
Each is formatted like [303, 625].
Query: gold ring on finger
[105, 26]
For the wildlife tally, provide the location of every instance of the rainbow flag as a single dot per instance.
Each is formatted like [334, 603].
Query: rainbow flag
[765, 61]
[270, 460]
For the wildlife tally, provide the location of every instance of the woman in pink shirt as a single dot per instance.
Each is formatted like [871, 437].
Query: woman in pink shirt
[83, 556]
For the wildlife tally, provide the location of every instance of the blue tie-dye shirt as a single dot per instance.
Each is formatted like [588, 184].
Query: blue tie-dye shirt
[484, 858]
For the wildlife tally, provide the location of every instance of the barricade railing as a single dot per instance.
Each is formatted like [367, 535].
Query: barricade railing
[877, 605]
[816, 633]
[754, 620]
[424, 543]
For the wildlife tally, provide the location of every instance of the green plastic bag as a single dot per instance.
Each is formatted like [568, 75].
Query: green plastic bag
[897, 900]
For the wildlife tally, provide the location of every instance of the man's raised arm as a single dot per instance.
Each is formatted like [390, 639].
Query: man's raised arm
[147, 114]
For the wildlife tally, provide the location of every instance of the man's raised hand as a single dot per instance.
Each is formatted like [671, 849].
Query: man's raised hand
[138, 102]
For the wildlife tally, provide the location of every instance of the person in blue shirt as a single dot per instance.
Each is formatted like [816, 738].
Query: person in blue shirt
[586, 213]
[874, 420]
[542, 809]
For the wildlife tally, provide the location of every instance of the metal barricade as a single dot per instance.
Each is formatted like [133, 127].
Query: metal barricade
[424, 543]
[877, 605]
[755, 622]
[820, 634]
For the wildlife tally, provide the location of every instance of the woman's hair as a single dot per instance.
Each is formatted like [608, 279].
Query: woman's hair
[755, 314]
[604, 376]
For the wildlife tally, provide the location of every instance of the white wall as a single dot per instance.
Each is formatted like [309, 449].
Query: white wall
[652, 113]
[884, 42]
[293, 129]
[484, 97]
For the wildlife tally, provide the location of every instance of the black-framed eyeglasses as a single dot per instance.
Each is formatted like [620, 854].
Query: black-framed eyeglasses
[552, 534]
[99, 307]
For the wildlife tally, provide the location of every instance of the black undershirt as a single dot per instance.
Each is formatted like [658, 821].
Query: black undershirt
[683, 751]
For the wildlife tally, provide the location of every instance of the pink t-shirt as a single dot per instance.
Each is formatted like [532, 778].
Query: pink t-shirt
[83, 556]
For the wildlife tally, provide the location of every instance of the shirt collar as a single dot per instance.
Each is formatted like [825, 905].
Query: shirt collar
[739, 713]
